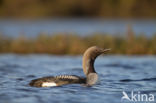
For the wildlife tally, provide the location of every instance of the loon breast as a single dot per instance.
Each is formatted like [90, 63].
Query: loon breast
[56, 81]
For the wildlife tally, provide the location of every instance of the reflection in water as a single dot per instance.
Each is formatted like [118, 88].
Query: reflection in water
[116, 73]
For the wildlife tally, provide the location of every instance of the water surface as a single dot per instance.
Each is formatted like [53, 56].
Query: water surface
[84, 26]
[116, 74]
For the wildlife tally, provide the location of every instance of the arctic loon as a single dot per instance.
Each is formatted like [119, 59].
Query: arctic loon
[88, 68]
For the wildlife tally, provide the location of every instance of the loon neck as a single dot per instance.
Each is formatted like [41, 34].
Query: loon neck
[91, 66]
[88, 64]
[91, 75]
[89, 58]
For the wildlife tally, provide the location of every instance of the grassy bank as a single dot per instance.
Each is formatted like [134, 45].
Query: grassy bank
[73, 44]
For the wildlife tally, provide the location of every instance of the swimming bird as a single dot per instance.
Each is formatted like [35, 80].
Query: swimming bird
[88, 68]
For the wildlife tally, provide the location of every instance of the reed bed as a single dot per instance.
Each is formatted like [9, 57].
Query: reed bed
[71, 44]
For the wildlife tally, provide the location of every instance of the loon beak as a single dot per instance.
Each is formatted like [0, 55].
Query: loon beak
[105, 50]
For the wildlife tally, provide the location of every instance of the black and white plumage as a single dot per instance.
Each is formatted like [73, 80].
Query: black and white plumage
[56, 81]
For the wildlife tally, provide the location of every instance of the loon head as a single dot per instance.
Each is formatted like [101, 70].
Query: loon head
[88, 63]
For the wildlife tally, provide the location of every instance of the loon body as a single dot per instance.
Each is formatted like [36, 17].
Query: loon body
[88, 68]
[56, 81]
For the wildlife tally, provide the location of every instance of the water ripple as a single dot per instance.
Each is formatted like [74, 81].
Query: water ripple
[144, 79]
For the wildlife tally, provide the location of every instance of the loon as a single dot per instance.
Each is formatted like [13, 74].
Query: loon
[88, 68]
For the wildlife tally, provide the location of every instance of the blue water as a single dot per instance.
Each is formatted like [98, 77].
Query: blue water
[116, 74]
[86, 26]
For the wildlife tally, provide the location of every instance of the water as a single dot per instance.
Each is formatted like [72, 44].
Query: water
[78, 26]
[116, 74]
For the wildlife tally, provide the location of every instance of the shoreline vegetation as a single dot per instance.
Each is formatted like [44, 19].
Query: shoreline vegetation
[70, 44]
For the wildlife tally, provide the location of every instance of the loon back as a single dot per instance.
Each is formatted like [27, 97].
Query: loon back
[57, 81]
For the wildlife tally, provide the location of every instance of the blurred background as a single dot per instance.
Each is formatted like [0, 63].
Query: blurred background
[71, 26]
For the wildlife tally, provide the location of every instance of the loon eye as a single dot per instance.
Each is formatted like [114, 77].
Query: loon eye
[96, 50]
